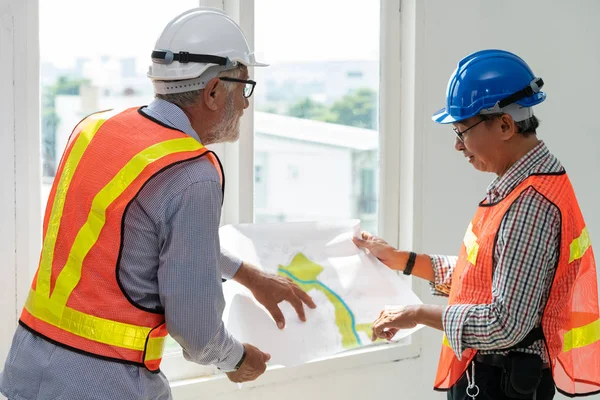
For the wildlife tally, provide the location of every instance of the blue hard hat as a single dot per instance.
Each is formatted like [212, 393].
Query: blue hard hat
[487, 81]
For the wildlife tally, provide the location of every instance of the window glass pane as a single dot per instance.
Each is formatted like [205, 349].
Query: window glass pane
[316, 111]
[95, 61]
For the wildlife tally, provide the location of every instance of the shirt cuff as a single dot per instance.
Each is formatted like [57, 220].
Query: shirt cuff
[441, 266]
[229, 362]
[229, 264]
[453, 320]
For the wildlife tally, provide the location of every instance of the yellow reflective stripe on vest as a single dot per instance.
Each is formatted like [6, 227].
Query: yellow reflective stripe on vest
[88, 235]
[81, 143]
[471, 245]
[88, 326]
[445, 341]
[582, 336]
[156, 346]
[580, 245]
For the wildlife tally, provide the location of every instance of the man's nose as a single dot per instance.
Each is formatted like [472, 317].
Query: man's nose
[458, 144]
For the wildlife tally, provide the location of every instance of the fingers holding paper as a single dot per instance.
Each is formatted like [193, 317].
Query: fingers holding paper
[391, 320]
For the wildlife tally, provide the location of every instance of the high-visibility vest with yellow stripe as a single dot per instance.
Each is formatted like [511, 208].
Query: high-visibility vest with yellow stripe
[76, 298]
[570, 321]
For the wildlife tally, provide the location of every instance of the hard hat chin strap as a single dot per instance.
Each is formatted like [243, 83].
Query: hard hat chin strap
[509, 104]
[534, 87]
[167, 57]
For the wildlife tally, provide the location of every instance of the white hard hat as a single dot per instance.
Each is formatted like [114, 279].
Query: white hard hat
[198, 40]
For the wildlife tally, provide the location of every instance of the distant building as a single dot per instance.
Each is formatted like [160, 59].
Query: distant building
[324, 82]
[128, 67]
[312, 170]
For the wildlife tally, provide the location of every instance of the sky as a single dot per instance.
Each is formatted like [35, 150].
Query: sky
[285, 31]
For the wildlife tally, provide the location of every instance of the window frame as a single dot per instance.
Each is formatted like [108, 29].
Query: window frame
[395, 151]
[356, 359]
[20, 170]
[238, 158]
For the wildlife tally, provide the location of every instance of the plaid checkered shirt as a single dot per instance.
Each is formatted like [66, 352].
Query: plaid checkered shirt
[524, 263]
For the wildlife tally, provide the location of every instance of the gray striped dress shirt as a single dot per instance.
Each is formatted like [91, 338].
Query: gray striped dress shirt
[171, 261]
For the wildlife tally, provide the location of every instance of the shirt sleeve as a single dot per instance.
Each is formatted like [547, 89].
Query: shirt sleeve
[230, 264]
[189, 277]
[443, 266]
[525, 258]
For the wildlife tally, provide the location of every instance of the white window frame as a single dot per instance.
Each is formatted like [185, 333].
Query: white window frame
[20, 171]
[396, 154]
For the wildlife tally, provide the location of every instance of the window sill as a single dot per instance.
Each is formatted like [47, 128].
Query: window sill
[368, 356]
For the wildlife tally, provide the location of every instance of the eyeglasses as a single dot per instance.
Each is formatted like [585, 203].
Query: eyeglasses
[248, 87]
[460, 134]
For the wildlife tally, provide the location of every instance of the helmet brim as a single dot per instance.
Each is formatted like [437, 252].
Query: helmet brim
[443, 117]
[257, 64]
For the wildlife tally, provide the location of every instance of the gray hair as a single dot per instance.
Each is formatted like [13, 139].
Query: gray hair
[186, 99]
[526, 127]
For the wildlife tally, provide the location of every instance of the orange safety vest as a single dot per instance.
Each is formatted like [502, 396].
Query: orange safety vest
[571, 321]
[76, 299]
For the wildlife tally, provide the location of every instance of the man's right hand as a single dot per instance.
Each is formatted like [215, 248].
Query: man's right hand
[254, 365]
[381, 249]
[393, 258]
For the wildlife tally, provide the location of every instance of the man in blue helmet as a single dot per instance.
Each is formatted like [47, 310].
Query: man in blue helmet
[523, 301]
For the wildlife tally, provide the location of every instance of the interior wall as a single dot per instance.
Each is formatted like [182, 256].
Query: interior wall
[559, 40]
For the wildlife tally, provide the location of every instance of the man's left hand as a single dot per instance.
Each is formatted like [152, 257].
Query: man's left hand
[270, 290]
[390, 321]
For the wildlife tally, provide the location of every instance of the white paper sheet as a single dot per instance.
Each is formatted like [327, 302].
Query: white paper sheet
[349, 287]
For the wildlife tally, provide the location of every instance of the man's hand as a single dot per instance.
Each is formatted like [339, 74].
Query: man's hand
[270, 290]
[390, 321]
[380, 249]
[254, 365]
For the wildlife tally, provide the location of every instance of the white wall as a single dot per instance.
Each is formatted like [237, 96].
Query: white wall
[559, 40]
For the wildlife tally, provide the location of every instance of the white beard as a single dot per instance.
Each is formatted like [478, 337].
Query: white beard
[228, 128]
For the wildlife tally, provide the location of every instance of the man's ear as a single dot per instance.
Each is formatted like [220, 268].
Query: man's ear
[212, 93]
[508, 126]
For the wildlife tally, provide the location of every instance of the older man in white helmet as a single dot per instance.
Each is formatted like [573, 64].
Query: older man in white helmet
[131, 249]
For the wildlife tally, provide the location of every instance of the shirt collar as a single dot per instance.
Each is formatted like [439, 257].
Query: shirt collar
[502, 186]
[172, 115]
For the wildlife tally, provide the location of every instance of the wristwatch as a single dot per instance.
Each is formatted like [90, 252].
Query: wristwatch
[410, 263]
[239, 364]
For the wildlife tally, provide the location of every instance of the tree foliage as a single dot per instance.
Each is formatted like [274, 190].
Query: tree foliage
[357, 108]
